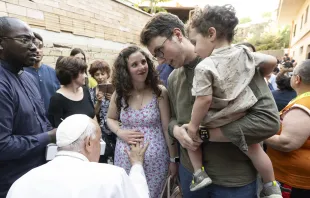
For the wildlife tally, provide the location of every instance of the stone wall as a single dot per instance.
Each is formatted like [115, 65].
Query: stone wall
[100, 27]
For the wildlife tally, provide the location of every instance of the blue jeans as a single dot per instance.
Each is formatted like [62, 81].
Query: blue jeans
[215, 191]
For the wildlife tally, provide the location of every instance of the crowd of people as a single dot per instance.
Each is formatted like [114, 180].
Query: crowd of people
[212, 115]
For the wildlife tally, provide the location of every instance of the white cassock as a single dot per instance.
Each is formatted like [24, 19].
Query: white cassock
[71, 175]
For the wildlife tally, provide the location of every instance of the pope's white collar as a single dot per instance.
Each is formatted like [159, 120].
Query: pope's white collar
[72, 154]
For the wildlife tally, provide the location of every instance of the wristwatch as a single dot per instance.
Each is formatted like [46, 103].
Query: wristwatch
[174, 159]
[204, 133]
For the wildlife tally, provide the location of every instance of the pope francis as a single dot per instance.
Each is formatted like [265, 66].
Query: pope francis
[75, 173]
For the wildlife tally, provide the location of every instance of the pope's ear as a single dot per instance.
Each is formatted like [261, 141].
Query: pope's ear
[88, 144]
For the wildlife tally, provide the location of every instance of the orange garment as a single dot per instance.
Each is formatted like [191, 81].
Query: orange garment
[293, 168]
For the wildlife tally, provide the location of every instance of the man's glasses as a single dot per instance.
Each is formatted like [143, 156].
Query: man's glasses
[158, 53]
[24, 40]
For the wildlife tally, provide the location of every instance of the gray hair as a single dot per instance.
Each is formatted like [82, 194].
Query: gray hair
[77, 145]
[303, 70]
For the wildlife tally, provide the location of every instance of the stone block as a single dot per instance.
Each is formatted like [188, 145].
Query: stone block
[49, 59]
[36, 22]
[46, 51]
[28, 4]
[94, 49]
[80, 32]
[36, 14]
[66, 28]
[15, 9]
[59, 12]
[66, 52]
[51, 3]
[3, 14]
[12, 1]
[23, 18]
[48, 44]
[55, 52]
[99, 34]
[90, 33]
[2, 7]
[45, 8]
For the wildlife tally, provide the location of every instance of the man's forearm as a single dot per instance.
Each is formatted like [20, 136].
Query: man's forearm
[173, 122]
[18, 146]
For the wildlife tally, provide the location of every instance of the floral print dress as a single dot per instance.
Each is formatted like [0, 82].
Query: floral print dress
[156, 161]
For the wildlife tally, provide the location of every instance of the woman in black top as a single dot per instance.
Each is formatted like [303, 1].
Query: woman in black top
[72, 97]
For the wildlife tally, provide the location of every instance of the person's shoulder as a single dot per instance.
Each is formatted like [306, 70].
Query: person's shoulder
[174, 74]
[57, 97]
[47, 67]
[29, 69]
[106, 169]
[206, 64]
[164, 90]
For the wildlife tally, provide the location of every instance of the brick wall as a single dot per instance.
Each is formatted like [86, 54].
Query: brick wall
[100, 27]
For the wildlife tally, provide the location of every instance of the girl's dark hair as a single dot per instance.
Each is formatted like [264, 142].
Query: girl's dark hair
[68, 69]
[99, 65]
[284, 82]
[222, 18]
[122, 81]
[76, 51]
[249, 45]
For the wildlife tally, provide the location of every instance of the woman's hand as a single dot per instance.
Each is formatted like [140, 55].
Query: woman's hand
[130, 136]
[173, 169]
[108, 96]
[99, 96]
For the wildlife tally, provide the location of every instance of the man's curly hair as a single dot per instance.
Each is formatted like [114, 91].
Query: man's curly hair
[122, 80]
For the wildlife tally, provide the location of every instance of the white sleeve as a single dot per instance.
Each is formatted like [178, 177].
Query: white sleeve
[138, 179]
[135, 185]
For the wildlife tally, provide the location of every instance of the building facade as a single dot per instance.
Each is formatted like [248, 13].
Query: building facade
[296, 14]
[100, 27]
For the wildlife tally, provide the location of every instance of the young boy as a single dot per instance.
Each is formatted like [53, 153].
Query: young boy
[221, 89]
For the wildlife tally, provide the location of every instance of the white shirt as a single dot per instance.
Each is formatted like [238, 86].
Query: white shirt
[272, 81]
[71, 175]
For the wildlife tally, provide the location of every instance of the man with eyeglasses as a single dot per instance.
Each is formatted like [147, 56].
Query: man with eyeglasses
[44, 74]
[24, 128]
[230, 169]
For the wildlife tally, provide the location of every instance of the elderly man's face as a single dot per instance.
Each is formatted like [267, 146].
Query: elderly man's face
[93, 145]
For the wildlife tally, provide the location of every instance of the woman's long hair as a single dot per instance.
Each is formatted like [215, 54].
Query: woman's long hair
[122, 80]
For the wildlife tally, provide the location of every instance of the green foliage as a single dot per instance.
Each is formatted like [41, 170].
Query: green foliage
[272, 41]
[153, 6]
[267, 15]
[245, 20]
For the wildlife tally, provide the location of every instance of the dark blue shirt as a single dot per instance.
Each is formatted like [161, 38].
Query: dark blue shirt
[23, 126]
[47, 80]
[164, 71]
[283, 97]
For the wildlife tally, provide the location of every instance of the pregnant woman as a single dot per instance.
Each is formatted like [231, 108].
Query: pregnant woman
[142, 107]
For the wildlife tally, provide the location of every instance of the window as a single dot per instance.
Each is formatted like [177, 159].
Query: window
[293, 53]
[302, 19]
[301, 50]
[306, 15]
[294, 33]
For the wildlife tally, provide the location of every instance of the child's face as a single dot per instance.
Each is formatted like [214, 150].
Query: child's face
[204, 45]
